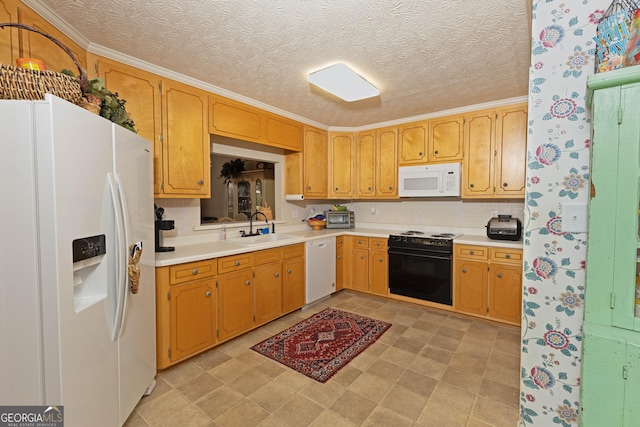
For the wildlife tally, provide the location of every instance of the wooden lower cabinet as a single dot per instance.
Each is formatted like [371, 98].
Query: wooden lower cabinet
[379, 272]
[235, 303]
[186, 320]
[360, 264]
[293, 282]
[368, 264]
[488, 282]
[268, 280]
[192, 304]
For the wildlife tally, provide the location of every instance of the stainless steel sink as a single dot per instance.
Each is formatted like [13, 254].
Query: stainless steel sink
[263, 238]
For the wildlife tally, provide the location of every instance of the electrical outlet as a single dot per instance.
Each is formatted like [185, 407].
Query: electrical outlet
[373, 210]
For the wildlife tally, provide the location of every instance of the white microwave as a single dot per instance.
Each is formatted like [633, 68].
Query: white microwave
[437, 180]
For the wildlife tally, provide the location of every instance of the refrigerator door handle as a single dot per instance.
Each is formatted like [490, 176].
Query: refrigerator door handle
[120, 256]
[124, 256]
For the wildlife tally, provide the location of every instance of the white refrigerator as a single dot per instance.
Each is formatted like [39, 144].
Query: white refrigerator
[77, 193]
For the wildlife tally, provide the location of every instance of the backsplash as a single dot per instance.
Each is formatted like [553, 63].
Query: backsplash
[399, 213]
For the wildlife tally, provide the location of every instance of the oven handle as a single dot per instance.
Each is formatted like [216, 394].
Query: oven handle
[421, 254]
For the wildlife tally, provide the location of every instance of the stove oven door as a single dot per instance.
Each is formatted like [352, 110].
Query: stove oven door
[421, 274]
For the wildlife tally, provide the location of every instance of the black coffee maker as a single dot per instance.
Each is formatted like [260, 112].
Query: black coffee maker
[162, 224]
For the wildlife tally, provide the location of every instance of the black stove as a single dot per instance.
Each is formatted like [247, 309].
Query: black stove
[420, 265]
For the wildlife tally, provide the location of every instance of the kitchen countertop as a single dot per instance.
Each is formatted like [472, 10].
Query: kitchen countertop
[220, 248]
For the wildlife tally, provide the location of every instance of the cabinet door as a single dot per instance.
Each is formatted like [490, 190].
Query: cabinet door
[141, 90]
[234, 119]
[341, 155]
[477, 171]
[316, 158]
[34, 45]
[235, 303]
[387, 163]
[412, 147]
[185, 145]
[366, 164]
[282, 132]
[268, 285]
[340, 263]
[379, 272]
[511, 151]
[360, 269]
[471, 287]
[445, 139]
[505, 292]
[293, 284]
[193, 319]
[9, 46]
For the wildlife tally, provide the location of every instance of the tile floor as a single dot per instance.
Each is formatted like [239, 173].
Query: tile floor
[431, 368]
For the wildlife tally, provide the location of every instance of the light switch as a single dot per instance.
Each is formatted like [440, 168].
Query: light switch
[574, 217]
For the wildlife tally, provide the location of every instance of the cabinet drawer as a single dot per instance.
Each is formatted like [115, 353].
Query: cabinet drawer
[266, 256]
[471, 252]
[190, 271]
[512, 256]
[235, 262]
[378, 243]
[293, 250]
[361, 242]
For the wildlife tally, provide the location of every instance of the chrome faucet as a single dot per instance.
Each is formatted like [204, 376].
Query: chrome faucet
[251, 233]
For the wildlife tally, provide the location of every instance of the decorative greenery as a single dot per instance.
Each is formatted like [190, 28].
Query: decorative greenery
[231, 169]
[111, 107]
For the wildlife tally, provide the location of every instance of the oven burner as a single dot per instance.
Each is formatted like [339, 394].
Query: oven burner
[411, 233]
[443, 235]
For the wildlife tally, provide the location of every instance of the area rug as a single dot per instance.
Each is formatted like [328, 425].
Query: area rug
[321, 345]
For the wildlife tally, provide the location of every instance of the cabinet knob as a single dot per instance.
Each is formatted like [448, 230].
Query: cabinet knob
[391, 187]
[507, 256]
[435, 152]
[289, 271]
[381, 260]
[504, 184]
[471, 252]
[200, 182]
[248, 282]
[337, 189]
[195, 271]
[237, 263]
[308, 187]
[369, 188]
[277, 274]
[499, 275]
[361, 257]
[420, 154]
[339, 256]
[471, 185]
[464, 270]
[377, 243]
[207, 294]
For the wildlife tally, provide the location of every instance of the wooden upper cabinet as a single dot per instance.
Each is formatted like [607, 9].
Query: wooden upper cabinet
[284, 133]
[185, 145]
[387, 163]
[316, 163]
[446, 139]
[235, 119]
[413, 141]
[511, 151]
[495, 153]
[37, 46]
[9, 45]
[477, 171]
[141, 90]
[365, 167]
[341, 152]
[241, 121]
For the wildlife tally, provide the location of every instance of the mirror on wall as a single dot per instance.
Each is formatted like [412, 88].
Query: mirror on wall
[239, 187]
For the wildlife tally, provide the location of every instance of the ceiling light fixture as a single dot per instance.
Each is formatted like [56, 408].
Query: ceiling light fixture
[343, 82]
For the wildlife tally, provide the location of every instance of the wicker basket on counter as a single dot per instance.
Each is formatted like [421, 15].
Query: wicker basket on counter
[24, 83]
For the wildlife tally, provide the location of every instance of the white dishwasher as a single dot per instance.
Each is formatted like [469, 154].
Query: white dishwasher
[321, 268]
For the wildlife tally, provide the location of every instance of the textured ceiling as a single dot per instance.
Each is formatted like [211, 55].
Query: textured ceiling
[425, 56]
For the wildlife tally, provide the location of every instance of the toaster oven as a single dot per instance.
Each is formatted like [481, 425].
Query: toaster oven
[340, 219]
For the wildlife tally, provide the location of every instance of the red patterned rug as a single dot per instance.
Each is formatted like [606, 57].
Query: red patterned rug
[321, 345]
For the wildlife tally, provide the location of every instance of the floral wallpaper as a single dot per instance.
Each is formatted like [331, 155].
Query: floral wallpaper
[562, 56]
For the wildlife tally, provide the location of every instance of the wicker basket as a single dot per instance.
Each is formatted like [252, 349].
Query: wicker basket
[23, 83]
